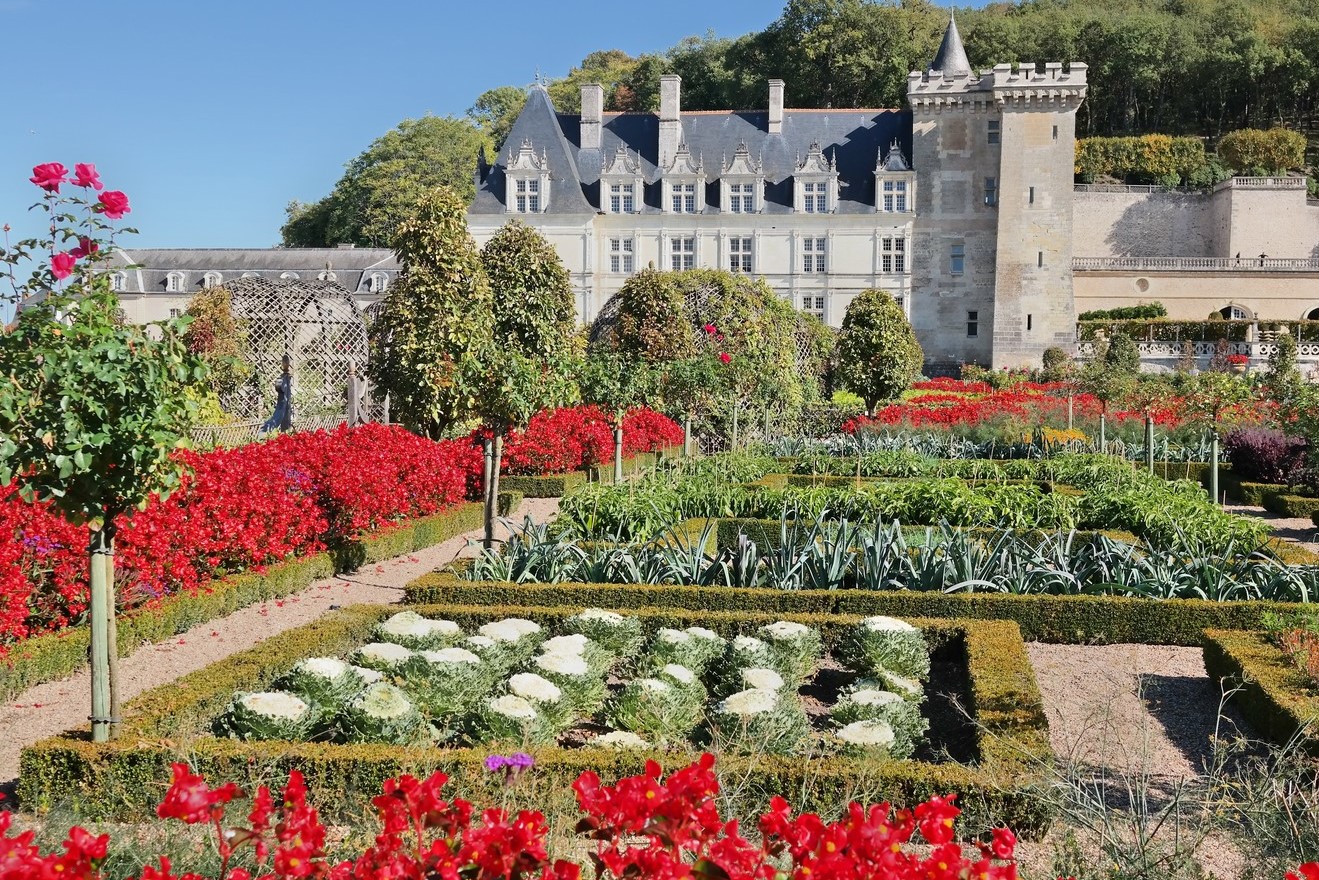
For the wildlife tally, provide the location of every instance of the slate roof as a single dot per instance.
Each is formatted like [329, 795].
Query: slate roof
[856, 139]
[351, 266]
[951, 58]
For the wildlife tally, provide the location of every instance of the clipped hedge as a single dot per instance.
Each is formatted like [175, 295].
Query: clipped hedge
[1284, 504]
[1055, 619]
[124, 779]
[1272, 694]
[548, 486]
[57, 655]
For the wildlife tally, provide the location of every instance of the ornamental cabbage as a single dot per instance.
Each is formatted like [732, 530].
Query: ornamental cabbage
[886, 643]
[509, 718]
[616, 633]
[867, 738]
[902, 716]
[446, 683]
[324, 682]
[267, 715]
[583, 687]
[659, 710]
[411, 630]
[382, 714]
[759, 722]
[796, 647]
[385, 657]
[620, 740]
[547, 698]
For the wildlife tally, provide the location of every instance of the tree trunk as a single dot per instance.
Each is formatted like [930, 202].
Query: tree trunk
[687, 436]
[618, 451]
[1213, 464]
[494, 481]
[100, 548]
[1149, 442]
[1103, 433]
[488, 539]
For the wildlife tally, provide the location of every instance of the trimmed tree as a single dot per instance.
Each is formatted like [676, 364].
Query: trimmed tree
[617, 384]
[878, 354]
[531, 352]
[91, 407]
[1212, 395]
[217, 336]
[1110, 376]
[436, 320]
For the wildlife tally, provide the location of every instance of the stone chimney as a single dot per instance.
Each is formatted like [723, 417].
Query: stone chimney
[670, 123]
[593, 108]
[775, 106]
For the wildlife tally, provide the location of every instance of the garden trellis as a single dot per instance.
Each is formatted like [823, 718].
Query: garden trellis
[317, 323]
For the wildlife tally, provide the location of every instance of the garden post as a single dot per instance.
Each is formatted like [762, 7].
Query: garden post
[1213, 463]
[488, 450]
[618, 450]
[1149, 442]
[1070, 399]
[99, 552]
[1103, 434]
[733, 440]
[767, 424]
[354, 414]
[687, 435]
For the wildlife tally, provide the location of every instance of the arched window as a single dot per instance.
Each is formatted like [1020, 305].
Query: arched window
[249, 275]
[118, 281]
[1234, 313]
[378, 282]
[1312, 315]
[327, 275]
[212, 279]
[288, 276]
[174, 282]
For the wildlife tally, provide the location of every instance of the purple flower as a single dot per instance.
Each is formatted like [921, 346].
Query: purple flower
[496, 762]
[521, 761]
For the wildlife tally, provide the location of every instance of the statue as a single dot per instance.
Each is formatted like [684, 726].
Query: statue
[282, 418]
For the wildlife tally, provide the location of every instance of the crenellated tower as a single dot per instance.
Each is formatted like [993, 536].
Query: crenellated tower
[994, 156]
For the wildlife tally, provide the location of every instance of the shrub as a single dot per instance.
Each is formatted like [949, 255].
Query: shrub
[1255, 151]
[797, 648]
[1126, 313]
[1265, 455]
[878, 354]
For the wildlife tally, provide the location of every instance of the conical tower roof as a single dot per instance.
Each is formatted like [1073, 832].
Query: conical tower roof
[951, 57]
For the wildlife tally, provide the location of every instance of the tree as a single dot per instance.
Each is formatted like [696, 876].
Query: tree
[91, 407]
[381, 186]
[1283, 383]
[1109, 376]
[652, 321]
[435, 321]
[1208, 398]
[531, 350]
[616, 384]
[217, 337]
[878, 355]
[496, 110]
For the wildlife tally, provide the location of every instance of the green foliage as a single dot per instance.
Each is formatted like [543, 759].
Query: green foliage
[218, 337]
[436, 321]
[1111, 373]
[878, 354]
[1056, 365]
[616, 384]
[1270, 692]
[1210, 395]
[1275, 151]
[1126, 313]
[91, 408]
[656, 709]
[1150, 158]
[495, 111]
[378, 190]
[1284, 384]
[653, 324]
[879, 644]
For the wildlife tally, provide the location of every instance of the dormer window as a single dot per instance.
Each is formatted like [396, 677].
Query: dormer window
[327, 275]
[528, 177]
[684, 183]
[622, 198]
[895, 183]
[174, 282]
[212, 279]
[815, 183]
[621, 183]
[743, 183]
[377, 282]
[288, 276]
[118, 281]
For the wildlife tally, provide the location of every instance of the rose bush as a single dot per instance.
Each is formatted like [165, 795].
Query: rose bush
[646, 827]
[236, 509]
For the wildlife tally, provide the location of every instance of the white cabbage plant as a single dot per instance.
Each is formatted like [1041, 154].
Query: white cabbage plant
[267, 715]
[886, 644]
[656, 709]
[618, 634]
[758, 721]
[411, 630]
[383, 714]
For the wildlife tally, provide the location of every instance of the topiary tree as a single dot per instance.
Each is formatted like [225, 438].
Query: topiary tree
[530, 355]
[616, 384]
[1283, 383]
[91, 407]
[435, 321]
[878, 354]
[1056, 365]
[653, 324]
[1110, 376]
[1208, 398]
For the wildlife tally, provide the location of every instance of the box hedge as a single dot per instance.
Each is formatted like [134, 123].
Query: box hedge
[1041, 618]
[1278, 700]
[125, 779]
[57, 655]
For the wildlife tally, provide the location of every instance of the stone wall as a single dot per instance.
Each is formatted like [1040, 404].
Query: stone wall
[1192, 294]
[1142, 224]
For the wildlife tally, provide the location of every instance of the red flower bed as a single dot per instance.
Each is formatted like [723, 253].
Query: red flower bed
[646, 827]
[236, 509]
[576, 437]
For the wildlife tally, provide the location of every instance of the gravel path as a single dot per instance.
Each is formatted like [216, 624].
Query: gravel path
[57, 706]
[1299, 529]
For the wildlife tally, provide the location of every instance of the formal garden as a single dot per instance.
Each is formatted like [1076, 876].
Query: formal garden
[703, 590]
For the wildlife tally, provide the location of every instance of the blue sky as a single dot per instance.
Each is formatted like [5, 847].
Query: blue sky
[212, 114]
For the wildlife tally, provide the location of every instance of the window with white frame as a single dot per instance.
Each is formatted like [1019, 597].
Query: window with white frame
[815, 197]
[893, 254]
[211, 279]
[118, 281]
[621, 256]
[377, 282]
[813, 254]
[176, 313]
[682, 252]
[622, 198]
[742, 198]
[740, 254]
[894, 199]
[683, 198]
[813, 304]
[174, 282]
[288, 276]
[526, 196]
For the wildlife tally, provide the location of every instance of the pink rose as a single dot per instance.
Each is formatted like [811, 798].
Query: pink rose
[49, 176]
[114, 204]
[725, 357]
[709, 328]
[86, 247]
[61, 265]
[85, 174]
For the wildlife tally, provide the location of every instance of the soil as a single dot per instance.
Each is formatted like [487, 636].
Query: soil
[57, 706]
